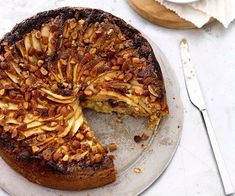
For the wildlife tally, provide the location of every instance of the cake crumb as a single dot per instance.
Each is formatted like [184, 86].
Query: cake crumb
[150, 151]
[137, 138]
[111, 156]
[119, 118]
[112, 147]
[141, 138]
[143, 146]
[137, 170]
[144, 137]
[155, 133]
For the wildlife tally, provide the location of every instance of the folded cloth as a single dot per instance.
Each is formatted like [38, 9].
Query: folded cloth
[199, 13]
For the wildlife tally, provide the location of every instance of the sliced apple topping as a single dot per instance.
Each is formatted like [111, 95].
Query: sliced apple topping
[36, 42]
[31, 132]
[56, 96]
[64, 65]
[13, 77]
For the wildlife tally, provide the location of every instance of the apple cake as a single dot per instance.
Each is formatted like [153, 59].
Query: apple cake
[53, 65]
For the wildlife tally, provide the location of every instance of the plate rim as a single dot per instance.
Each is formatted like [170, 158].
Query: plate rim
[162, 65]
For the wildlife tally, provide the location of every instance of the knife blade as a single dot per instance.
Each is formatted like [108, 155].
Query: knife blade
[191, 80]
[196, 97]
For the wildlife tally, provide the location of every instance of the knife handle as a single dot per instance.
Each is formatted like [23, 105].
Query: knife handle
[228, 187]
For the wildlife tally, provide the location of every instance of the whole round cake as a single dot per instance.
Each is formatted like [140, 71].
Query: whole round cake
[51, 67]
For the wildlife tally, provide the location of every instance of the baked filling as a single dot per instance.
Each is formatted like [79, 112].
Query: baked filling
[57, 68]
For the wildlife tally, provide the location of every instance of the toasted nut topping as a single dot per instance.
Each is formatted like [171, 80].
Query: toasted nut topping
[128, 77]
[8, 56]
[125, 67]
[63, 62]
[152, 98]
[41, 138]
[65, 158]
[138, 91]
[100, 148]
[83, 78]
[110, 31]
[116, 67]
[94, 149]
[26, 105]
[60, 128]
[107, 78]
[22, 127]
[72, 24]
[43, 71]
[120, 61]
[2, 92]
[2, 58]
[40, 63]
[25, 74]
[121, 76]
[98, 158]
[135, 60]
[4, 65]
[52, 113]
[64, 148]
[60, 140]
[57, 155]
[64, 111]
[14, 133]
[51, 74]
[74, 35]
[73, 61]
[80, 136]
[12, 94]
[7, 128]
[112, 147]
[53, 123]
[88, 92]
[121, 37]
[89, 135]
[81, 22]
[27, 96]
[137, 170]
[38, 34]
[35, 149]
[86, 72]
[44, 40]
[76, 144]
[92, 50]
[148, 80]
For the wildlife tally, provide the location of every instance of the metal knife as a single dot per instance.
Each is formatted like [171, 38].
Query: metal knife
[195, 95]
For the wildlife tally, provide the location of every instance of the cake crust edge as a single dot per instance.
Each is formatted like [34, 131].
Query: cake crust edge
[47, 174]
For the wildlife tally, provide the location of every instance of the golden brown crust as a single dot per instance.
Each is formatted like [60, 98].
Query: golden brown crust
[76, 177]
[77, 180]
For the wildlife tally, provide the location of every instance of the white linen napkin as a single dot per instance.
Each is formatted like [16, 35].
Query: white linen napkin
[200, 12]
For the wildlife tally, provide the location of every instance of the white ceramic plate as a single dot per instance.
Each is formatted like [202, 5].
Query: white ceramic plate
[152, 160]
